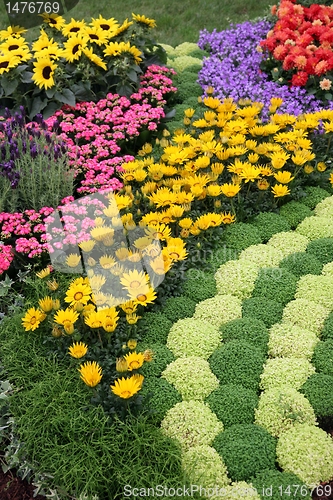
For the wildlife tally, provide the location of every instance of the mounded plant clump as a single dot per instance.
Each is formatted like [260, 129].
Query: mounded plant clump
[233, 404]
[249, 329]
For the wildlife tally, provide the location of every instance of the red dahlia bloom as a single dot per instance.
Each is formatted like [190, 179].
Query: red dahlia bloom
[299, 79]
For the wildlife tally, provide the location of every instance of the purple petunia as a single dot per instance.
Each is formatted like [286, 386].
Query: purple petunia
[233, 69]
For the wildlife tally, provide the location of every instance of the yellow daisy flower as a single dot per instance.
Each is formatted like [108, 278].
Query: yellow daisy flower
[125, 388]
[134, 360]
[32, 319]
[78, 350]
[280, 190]
[91, 373]
[46, 304]
[283, 177]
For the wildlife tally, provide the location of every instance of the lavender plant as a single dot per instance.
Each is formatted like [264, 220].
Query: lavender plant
[34, 168]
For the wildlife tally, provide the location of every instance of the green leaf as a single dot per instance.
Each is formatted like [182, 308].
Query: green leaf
[50, 92]
[9, 86]
[50, 109]
[132, 75]
[36, 107]
[26, 77]
[328, 96]
[66, 97]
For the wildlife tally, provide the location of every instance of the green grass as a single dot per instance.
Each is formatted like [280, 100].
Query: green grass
[177, 22]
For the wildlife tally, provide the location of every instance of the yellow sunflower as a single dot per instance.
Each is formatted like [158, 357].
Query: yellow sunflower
[145, 21]
[43, 73]
[89, 53]
[109, 26]
[118, 48]
[74, 47]
[7, 62]
[96, 35]
[74, 28]
[12, 31]
[54, 20]
[125, 388]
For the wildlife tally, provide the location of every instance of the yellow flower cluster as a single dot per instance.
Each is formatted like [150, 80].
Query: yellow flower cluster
[96, 41]
[224, 151]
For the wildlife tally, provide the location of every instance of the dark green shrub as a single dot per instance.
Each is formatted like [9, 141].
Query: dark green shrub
[233, 404]
[154, 327]
[314, 195]
[251, 330]
[279, 485]
[179, 308]
[188, 89]
[199, 287]
[241, 236]
[179, 115]
[175, 125]
[159, 396]
[322, 249]
[200, 54]
[246, 449]
[194, 68]
[295, 212]
[162, 356]
[301, 263]
[238, 362]
[322, 358]
[185, 77]
[327, 331]
[318, 389]
[269, 223]
[275, 284]
[268, 311]
[191, 102]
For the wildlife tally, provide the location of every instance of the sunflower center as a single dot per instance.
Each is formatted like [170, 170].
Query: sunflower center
[52, 21]
[13, 47]
[46, 72]
[135, 284]
[74, 30]
[94, 37]
[76, 48]
[105, 26]
[78, 296]
[4, 64]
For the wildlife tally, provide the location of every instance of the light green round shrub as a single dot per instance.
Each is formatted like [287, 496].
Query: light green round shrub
[189, 49]
[322, 358]
[162, 356]
[219, 309]
[314, 195]
[193, 337]
[262, 255]
[191, 377]
[191, 423]
[199, 287]
[292, 372]
[280, 485]
[288, 242]
[168, 49]
[159, 396]
[318, 389]
[204, 466]
[328, 269]
[275, 284]
[241, 235]
[318, 289]
[176, 308]
[238, 490]
[316, 227]
[288, 340]
[236, 277]
[269, 223]
[238, 362]
[280, 408]
[154, 327]
[266, 310]
[295, 212]
[251, 330]
[325, 207]
[181, 63]
[307, 451]
[327, 331]
[233, 404]
[305, 314]
[301, 263]
[245, 449]
[322, 249]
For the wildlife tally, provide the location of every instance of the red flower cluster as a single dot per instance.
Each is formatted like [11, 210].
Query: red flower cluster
[302, 41]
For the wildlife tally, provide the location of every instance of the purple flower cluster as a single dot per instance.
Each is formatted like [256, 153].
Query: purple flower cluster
[233, 69]
[18, 139]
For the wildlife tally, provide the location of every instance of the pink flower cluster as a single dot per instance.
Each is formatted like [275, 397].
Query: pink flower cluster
[6, 257]
[98, 134]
